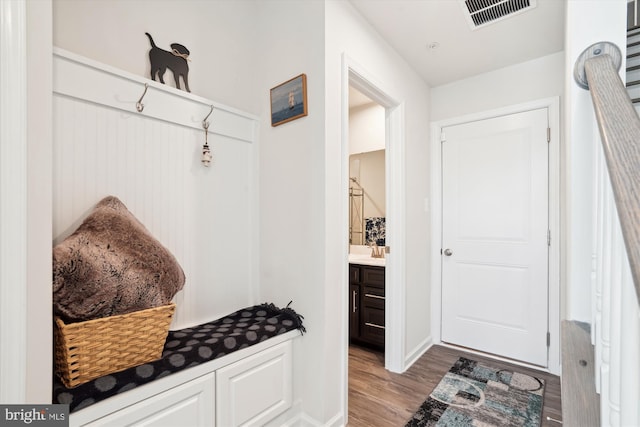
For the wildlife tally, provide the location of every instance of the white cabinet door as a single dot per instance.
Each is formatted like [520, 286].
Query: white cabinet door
[256, 389]
[190, 404]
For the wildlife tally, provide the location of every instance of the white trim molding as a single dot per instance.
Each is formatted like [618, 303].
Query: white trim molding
[13, 201]
[417, 352]
[39, 200]
[553, 106]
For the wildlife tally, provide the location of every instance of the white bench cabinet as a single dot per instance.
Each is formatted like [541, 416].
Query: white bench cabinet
[248, 387]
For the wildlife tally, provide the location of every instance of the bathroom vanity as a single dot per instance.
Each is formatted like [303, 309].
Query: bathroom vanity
[366, 302]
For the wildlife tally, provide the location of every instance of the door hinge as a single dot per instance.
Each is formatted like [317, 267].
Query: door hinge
[548, 237]
[443, 138]
[548, 135]
[548, 339]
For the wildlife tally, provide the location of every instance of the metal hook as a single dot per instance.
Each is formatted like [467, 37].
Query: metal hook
[205, 123]
[139, 104]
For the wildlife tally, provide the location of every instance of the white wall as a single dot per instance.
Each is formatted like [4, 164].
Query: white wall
[370, 172]
[586, 23]
[289, 41]
[536, 79]
[349, 34]
[301, 192]
[220, 36]
[366, 128]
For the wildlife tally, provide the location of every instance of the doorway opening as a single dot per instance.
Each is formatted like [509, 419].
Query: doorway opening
[393, 304]
[367, 222]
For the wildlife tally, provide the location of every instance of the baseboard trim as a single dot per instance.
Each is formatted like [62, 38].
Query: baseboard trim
[295, 417]
[289, 418]
[305, 420]
[417, 352]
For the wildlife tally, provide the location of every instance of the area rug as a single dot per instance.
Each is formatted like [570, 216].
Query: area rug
[476, 394]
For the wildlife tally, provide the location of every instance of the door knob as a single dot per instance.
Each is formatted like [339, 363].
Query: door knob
[448, 252]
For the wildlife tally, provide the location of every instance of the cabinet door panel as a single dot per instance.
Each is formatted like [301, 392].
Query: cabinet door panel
[354, 311]
[188, 405]
[354, 274]
[254, 390]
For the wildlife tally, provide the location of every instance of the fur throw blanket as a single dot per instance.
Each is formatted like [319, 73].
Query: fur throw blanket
[111, 265]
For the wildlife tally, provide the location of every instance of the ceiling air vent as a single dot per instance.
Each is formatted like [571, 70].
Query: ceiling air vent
[482, 12]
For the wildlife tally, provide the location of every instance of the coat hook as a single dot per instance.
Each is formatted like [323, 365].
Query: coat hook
[207, 157]
[139, 104]
[205, 123]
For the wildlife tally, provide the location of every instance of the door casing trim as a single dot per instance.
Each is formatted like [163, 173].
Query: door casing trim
[553, 322]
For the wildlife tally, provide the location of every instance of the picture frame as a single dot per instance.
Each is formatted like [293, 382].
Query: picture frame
[289, 100]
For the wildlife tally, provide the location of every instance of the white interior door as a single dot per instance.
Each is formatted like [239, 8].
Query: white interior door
[495, 216]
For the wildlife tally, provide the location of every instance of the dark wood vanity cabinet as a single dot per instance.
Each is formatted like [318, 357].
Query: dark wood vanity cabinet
[366, 304]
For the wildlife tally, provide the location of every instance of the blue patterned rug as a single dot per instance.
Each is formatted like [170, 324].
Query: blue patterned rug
[474, 394]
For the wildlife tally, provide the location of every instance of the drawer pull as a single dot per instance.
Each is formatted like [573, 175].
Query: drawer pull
[373, 296]
[373, 325]
[353, 302]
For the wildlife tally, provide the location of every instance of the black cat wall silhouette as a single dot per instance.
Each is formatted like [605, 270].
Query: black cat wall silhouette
[175, 60]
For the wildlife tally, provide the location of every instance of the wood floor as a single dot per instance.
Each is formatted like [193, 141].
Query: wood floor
[379, 398]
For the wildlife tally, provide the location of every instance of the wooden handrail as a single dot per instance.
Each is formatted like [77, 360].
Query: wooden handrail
[619, 126]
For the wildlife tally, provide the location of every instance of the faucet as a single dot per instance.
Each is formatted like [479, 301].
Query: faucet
[376, 251]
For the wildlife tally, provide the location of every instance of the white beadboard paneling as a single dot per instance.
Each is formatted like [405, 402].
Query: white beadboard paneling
[202, 215]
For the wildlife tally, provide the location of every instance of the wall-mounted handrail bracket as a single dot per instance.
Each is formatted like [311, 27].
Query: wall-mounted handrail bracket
[596, 49]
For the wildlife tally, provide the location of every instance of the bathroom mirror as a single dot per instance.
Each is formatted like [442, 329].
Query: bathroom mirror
[367, 195]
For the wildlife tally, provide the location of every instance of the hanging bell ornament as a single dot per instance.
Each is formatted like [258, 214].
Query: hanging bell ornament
[206, 155]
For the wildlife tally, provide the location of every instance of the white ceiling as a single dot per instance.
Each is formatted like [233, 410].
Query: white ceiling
[410, 26]
[358, 99]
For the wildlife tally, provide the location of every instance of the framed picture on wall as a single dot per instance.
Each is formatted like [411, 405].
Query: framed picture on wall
[289, 100]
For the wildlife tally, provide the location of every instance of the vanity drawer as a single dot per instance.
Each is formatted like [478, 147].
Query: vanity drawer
[373, 276]
[373, 297]
[372, 329]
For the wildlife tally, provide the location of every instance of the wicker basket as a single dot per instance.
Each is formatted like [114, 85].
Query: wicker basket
[91, 349]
